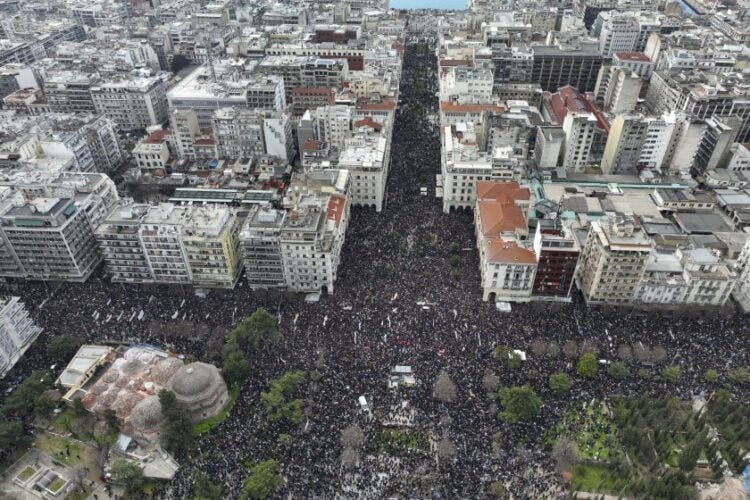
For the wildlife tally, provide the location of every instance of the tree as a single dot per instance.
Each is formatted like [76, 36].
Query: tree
[204, 488]
[352, 437]
[560, 383]
[261, 327]
[444, 389]
[502, 352]
[519, 404]
[78, 409]
[618, 370]
[62, 347]
[445, 449]
[738, 375]
[490, 380]
[689, 456]
[498, 490]
[671, 373]
[43, 406]
[565, 454]
[277, 399]
[587, 365]
[21, 400]
[712, 375]
[176, 427]
[128, 475]
[11, 436]
[264, 480]
[236, 367]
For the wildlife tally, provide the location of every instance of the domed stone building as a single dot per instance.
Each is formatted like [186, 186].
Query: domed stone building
[144, 422]
[201, 388]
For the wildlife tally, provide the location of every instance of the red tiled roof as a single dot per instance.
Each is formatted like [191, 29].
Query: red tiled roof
[312, 145]
[506, 192]
[569, 99]
[632, 56]
[509, 252]
[368, 122]
[157, 136]
[335, 209]
[500, 218]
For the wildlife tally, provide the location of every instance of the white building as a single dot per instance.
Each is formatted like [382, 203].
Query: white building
[49, 229]
[740, 161]
[580, 129]
[367, 158]
[165, 243]
[464, 85]
[132, 103]
[612, 261]
[17, 332]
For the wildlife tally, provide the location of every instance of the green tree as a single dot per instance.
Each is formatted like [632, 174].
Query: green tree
[255, 330]
[43, 406]
[78, 409]
[278, 400]
[671, 373]
[560, 383]
[502, 352]
[712, 375]
[236, 367]
[498, 490]
[63, 347]
[204, 488]
[738, 376]
[127, 475]
[519, 404]
[11, 436]
[21, 400]
[176, 425]
[587, 365]
[689, 456]
[263, 481]
[618, 370]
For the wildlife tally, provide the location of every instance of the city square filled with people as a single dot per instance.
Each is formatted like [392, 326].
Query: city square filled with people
[398, 301]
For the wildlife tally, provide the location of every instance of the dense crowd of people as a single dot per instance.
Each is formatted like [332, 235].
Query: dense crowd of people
[399, 300]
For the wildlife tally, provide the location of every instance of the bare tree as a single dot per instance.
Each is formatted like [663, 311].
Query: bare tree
[352, 437]
[625, 353]
[490, 380]
[349, 458]
[565, 454]
[444, 389]
[640, 353]
[445, 449]
[553, 350]
[570, 349]
[658, 354]
[538, 347]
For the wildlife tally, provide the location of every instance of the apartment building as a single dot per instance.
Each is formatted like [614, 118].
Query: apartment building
[366, 156]
[17, 332]
[165, 243]
[260, 242]
[464, 85]
[613, 261]
[556, 250]
[132, 103]
[50, 231]
[627, 132]
[558, 65]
